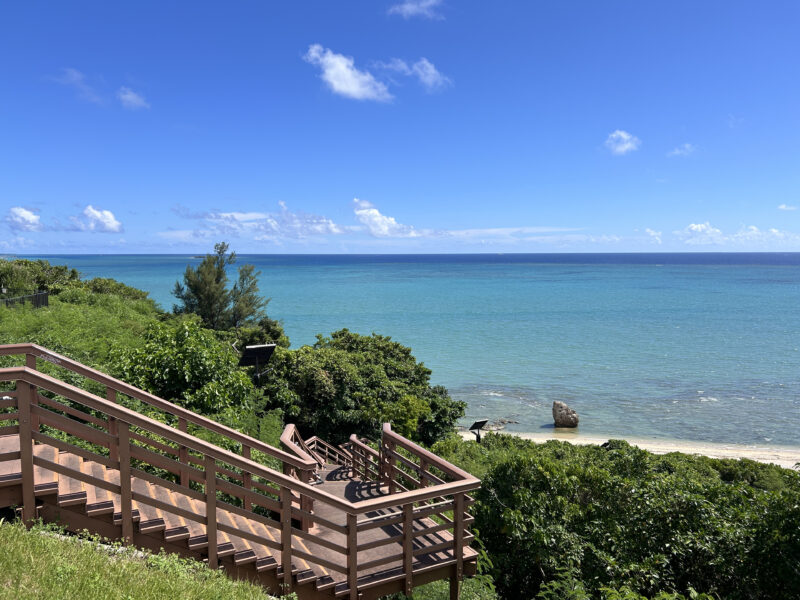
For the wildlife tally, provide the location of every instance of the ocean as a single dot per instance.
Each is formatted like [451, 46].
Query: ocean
[681, 346]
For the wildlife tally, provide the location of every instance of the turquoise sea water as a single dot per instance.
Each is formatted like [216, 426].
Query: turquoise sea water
[684, 346]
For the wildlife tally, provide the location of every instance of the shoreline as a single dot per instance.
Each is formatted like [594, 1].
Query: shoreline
[783, 456]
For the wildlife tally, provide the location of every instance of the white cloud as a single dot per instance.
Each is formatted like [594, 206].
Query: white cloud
[682, 150]
[655, 235]
[621, 142]
[786, 207]
[424, 70]
[416, 8]
[22, 219]
[77, 80]
[343, 78]
[100, 220]
[700, 234]
[748, 236]
[261, 226]
[380, 225]
[130, 99]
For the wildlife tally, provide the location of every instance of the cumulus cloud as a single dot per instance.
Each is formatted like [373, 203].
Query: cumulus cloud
[380, 225]
[342, 77]
[700, 234]
[424, 70]
[77, 81]
[748, 236]
[682, 150]
[261, 226]
[621, 142]
[99, 220]
[22, 219]
[130, 99]
[786, 207]
[416, 8]
[654, 235]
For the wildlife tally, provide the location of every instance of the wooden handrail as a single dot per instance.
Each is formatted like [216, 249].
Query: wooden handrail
[126, 415]
[292, 441]
[153, 400]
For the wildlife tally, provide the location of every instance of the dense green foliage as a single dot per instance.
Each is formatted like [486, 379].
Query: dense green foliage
[556, 517]
[186, 364]
[205, 292]
[350, 383]
[40, 565]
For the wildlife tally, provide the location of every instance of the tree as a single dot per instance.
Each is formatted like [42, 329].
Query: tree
[204, 292]
[351, 383]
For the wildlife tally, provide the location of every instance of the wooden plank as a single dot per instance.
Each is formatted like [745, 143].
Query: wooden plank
[98, 500]
[150, 517]
[286, 538]
[25, 399]
[71, 491]
[352, 555]
[126, 500]
[77, 450]
[67, 425]
[70, 410]
[45, 481]
[211, 510]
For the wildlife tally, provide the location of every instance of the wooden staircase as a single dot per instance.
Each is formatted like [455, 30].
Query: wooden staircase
[335, 521]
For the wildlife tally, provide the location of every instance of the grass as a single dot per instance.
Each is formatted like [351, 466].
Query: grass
[40, 564]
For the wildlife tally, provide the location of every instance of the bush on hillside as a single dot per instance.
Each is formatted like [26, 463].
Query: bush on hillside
[622, 518]
[350, 383]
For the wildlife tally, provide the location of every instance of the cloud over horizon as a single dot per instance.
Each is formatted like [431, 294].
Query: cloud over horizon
[22, 219]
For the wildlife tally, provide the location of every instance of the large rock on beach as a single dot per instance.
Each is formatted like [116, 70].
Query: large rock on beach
[563, 415]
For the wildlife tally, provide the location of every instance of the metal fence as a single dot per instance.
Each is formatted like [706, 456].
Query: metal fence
[38, 300]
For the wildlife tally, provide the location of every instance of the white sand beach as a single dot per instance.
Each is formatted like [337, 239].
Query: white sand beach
[784, 456]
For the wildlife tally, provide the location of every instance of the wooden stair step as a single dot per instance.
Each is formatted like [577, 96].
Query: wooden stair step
[10, 470]
[224, 545]
[71, 491]
[98, 500]
[45, 481]
[176, 528]
[150, 518]
[270, 561]
[244, 552]
[196, 529]
[112, 476]
[264, 558]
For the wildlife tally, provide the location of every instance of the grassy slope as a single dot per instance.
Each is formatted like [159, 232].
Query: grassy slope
[48, 567]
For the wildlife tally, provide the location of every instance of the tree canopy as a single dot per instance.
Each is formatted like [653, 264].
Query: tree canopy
[205, 292]
[351, 383]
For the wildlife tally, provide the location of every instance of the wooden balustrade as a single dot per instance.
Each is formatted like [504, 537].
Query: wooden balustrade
[137, 446]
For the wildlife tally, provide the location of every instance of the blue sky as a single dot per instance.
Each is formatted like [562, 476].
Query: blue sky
[399, 126]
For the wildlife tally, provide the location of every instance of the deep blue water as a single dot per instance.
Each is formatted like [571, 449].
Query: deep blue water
[686, 346]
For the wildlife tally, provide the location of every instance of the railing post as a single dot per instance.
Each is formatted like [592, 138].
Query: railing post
[30, 362]
[352, 555]
[387, 465]
[306, 503]
[247, 478]
[458, 546]
[126, 500]
[25, 394]
[210, 466]
[286, 538]
[408, 547]
[183, 454]
[423, 468]
[113, 451]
